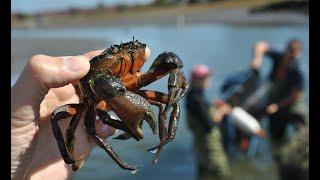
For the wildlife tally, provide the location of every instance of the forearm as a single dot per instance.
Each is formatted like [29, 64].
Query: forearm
[257, 61]
[218, 115]
[290, 100]
[258, 53]
[221, 111]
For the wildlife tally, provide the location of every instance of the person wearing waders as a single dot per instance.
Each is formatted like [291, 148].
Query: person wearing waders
[203, 119]
[285, 96]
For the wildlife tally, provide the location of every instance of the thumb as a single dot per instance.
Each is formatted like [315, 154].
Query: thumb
[45, 72]
[53, 72]
[39, 75]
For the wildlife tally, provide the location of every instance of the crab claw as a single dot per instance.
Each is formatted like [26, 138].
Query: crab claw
[123, 136]
[137, 132]
[130, 107]
[133, 109]
[151, 120]
[166, 62]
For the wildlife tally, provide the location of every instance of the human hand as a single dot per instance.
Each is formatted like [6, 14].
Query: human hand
[260, 48]
[272, 108]
[44, 85]
[222, 109]
[261, 133]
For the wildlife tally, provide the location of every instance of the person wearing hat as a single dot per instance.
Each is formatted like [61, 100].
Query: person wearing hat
[202, 119]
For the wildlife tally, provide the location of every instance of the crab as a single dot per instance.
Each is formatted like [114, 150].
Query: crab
[114, 83]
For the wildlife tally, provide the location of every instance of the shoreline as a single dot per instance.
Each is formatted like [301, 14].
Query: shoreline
[233, 13]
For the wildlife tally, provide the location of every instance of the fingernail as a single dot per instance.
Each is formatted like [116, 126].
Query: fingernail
[147, 52]
[75, 63]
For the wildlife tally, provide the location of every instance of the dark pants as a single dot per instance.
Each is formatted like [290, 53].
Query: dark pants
[284, 148]
[280, 120]
[293, 172]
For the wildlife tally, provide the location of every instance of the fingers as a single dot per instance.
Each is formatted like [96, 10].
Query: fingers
[42, 73]
[92, 54]
[45, 72]
[103, 130]
[261, 47]
[53, 72]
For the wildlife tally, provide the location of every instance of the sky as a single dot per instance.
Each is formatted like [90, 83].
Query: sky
[35, 6]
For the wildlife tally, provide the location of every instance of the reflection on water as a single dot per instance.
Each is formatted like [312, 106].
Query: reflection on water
[224, 48]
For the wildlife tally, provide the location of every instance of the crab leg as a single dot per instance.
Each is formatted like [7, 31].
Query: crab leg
[70, 138]
[157, 99]
[162, 123]
[161, 66]
[165, 63]
[64, 112]
[91, 130]
[162, 128]
[173, 126]
[165, 136]
[176, 82]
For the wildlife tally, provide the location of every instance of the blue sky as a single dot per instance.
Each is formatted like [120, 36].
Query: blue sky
[34, 6]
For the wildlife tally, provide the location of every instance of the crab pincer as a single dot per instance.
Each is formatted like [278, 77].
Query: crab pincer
[166, 63]
[131, 108]
[177, 88]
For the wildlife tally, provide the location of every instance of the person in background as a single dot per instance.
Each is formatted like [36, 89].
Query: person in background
[285, 97]
[202, 119]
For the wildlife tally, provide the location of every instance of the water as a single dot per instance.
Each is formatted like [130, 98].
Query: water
[35, 6]
[224, 48]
